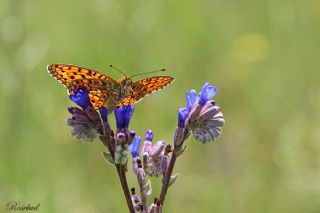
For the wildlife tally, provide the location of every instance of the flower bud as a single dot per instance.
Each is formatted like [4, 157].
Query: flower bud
[157, 149]
[74, 110]
[149, 135]
[194, 113]
[135, 146]
[78, 118]
[147, 146]
[164, 165]
[141, 176]
[92, 114]
[135, 165]
[210, 112]
[120, 138]
[207, 105]
[178, 136]
[145, 159]
[134, 197]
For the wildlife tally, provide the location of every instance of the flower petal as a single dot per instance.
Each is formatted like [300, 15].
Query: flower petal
[123, 116]
[207, 93]
[135, 147]
[104, 114]
[191, 99]
[182, 116]
[81, 98]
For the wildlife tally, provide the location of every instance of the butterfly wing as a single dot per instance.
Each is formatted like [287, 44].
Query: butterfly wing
[145, 87]
[65, 73]
[101, 92]
[102, 88]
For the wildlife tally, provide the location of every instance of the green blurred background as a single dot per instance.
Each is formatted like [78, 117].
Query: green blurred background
[262, 55]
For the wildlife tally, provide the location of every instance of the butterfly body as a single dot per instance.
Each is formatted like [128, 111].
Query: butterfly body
[104, 91]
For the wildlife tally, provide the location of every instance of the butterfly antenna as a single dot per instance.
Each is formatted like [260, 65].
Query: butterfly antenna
[158, 70]
[117, 70]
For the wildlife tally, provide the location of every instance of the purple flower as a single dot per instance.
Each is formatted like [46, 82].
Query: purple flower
[123, 116]
[81, 98]
[135, 147]
[83, 126]
[208, 126]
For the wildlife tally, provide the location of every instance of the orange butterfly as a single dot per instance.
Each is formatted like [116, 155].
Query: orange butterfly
[104, 90]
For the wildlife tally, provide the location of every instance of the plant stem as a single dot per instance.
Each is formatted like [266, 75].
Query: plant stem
[166, 181]
[120, 168]
[143, 198]
[124, 184]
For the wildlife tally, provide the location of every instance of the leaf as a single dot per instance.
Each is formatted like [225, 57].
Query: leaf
[173, 178]
[149, 192]
[181, 150]
[108, 157]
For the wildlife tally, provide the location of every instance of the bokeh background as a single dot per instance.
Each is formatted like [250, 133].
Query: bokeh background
[262, 55]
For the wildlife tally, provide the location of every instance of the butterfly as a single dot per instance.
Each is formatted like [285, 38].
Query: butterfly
[104, 91]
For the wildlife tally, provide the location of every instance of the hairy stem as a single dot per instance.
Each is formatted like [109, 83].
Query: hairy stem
[166, 181]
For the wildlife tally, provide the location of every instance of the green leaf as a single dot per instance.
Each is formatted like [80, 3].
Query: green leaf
[173, 178]
[108, 157]
[181, 150]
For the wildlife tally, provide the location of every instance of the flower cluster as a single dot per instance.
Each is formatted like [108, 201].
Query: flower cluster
[201, 118]
[154, 161]
[85, 122]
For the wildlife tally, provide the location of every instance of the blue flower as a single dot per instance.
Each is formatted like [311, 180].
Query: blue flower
[201, 117]
[104, 114]
[182, 116]
[191, 98]
[149, 135]
[123, 116]
[207, 93]
[81, 98]
[135, 146]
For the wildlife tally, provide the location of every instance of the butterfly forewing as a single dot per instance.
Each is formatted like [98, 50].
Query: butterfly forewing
[66, 73]
[144, 87]
[102, 88]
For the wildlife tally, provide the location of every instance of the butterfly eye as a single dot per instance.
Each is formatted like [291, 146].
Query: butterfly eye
[123, 82]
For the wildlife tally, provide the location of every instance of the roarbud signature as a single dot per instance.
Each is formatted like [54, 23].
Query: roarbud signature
[17, 206]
